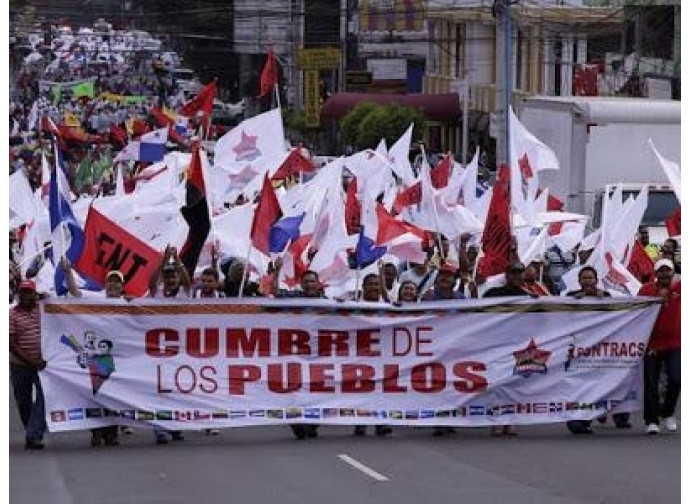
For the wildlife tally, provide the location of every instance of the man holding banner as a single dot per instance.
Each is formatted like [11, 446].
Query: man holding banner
[25, 362]
[114, 288]
[664, 348]
[513, 287]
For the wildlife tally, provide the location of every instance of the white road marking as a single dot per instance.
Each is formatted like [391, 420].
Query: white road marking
[358, 465]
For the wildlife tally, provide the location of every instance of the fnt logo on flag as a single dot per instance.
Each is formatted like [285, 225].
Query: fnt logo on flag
[109, 247]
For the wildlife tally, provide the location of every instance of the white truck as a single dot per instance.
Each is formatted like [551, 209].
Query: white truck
[601, 142]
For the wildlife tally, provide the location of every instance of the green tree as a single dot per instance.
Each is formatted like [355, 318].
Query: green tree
[349, 124]
[388, 122]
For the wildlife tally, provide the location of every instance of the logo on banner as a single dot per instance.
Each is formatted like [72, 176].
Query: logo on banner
[75, 414]
[530, 360]
[58, 416]
[605, 354]
[95, 355]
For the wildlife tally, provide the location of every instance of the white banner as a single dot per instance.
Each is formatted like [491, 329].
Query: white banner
[223, 363]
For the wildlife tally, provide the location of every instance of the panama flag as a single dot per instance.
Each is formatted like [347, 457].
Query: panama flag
[150, 147]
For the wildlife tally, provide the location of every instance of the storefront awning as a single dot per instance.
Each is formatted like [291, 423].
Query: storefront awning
[436, 107]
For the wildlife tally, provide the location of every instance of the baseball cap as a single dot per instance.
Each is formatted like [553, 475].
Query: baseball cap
[170, 268]
[663, 263]
[27, 285]
[116, 273]
[448, 267]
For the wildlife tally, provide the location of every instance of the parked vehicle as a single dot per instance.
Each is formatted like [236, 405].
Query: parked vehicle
[602, 141]
[186, 80]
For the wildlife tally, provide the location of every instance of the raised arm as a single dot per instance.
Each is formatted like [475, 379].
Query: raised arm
[72, 287]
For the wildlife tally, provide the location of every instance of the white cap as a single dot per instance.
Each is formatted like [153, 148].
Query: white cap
[390, 258]
[661, 263]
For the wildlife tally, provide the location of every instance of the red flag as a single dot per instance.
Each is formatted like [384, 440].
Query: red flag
[294, 164]
[269, 75]
[673, 223]
[641, 265]
[353, 208]
[410, 196]
[108, 246]
[390, 228]
[553, 204]
[196, 175]
[203, 102]
[441, 172]
[497, 238]
[118, 135]
[297, 249]
[49, 126]
[69, 133]
[140, 127]
[266, 214]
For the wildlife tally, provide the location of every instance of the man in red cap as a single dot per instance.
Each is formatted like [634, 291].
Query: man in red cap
[663, 347]
[25, 363]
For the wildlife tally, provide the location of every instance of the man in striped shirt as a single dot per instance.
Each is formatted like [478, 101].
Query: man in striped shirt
[25, 363]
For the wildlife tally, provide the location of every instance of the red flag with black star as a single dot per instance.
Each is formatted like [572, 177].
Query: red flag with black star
[497, 238]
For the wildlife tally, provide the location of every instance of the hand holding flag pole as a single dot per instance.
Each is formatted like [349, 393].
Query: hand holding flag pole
[437, 233]
[245, 270]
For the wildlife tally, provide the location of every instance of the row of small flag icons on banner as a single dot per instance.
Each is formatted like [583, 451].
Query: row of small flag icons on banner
[76, 414]
[288, 414]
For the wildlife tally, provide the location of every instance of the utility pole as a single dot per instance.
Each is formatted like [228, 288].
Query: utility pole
[504, 79]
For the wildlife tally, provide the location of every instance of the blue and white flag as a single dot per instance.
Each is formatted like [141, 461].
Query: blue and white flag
[284, 231]
[150, 147]
[67, 234]
[182, 125]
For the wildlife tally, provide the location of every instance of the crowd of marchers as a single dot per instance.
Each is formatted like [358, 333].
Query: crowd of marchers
[401, 284]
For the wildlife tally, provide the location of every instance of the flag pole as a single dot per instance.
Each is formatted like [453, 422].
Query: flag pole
[359, 269]
[277, 93]
[245, 270]
[31, 257]
[435, 212]
[475, 267]
[63, 235]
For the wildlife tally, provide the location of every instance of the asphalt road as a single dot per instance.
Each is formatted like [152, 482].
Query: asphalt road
[544, 464]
